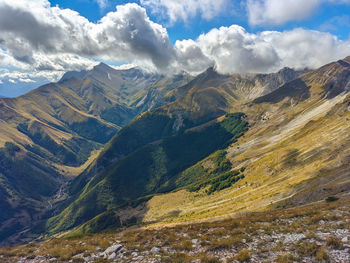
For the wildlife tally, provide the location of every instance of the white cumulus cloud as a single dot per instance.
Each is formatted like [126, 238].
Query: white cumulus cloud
[37, 34]
[183, 10]
[277, 12]
[44, 41]
[232, 49]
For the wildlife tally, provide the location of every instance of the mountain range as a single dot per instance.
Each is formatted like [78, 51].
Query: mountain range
[106, 148]
[54, 131]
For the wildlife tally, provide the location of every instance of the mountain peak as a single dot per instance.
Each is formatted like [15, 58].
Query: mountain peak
[81, 74]
[347, 59]
[102, 66]
[286, 69]
[211, 73]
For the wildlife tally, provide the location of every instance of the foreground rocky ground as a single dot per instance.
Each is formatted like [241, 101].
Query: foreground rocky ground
[314, 233]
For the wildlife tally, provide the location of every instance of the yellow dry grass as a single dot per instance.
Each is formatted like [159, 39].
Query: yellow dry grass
[280, 164]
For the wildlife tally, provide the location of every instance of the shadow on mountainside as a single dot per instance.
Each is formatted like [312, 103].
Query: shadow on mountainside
[296, 89]
[151, 169]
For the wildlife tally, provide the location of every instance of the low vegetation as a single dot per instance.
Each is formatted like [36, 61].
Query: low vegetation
[285, 235]
[155, 167]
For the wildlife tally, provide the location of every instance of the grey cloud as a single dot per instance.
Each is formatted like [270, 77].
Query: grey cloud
[48, 39]
[190, 57]
[137, 34]
[23, 24]
[126, 34]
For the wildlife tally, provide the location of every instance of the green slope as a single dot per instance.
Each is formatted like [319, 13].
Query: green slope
[61, 123]
[141, 150]
[56, 129]
[151, 169]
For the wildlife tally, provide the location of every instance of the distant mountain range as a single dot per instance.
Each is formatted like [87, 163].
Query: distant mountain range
[153, 149]
[48, 133]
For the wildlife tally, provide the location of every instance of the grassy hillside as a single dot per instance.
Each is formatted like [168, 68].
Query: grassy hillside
[127, 155]
[55, 129]
[182, 162]
[204, 98]
[295, 152]
[149, 169]
[313, 233]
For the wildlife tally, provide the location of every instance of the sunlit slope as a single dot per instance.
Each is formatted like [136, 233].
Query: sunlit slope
[210, 94]
[151, 169]
[296, 151]
[198, 105]
[53, 130]
[203, 99]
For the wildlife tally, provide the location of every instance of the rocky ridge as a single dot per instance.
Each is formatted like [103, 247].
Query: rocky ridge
[313, 233]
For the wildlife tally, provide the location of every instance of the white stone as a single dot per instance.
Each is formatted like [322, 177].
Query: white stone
[195, 241]
[114, 248]
[293, 237]
[112, 256]
[155, 250]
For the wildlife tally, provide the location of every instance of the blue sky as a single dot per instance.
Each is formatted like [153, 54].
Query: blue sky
[42, 39]
[322, 18]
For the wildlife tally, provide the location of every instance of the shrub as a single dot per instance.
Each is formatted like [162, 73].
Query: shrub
[332, 199]
[334, 243]
[322, 255]
[180, 258]
[206, 259]
[243, 256]
[285, 258]
[307, 248]
[184, 245]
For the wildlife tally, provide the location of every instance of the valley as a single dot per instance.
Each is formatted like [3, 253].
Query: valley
[181, 152]
[180, 131]
[52, 133]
